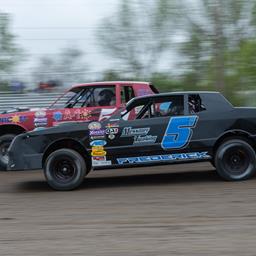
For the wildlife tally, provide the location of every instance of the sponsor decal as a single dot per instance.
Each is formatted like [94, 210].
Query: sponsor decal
[83, 114]
[13, 119]
[112, 125]
[97, 132]
[144, 139]
[67, 115]
[98, 158]
[19, 119]
[40, 122]
[129, 131]
[98, 143]
[98, 153]
[162, 158]
[100, 161]
[99, 137]
[97, 148]
[111, 136]
[112, 130]
[57, 116]
[77, 114]
[40, 113]
[94, 126]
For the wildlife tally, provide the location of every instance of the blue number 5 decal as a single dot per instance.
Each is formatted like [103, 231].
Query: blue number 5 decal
[178, 132]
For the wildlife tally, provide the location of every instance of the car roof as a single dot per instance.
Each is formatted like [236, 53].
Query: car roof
[110, 83]
[206, 94]
[166, 94]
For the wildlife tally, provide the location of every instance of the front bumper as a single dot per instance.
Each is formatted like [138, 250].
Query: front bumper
[22, 156]
[26, 162]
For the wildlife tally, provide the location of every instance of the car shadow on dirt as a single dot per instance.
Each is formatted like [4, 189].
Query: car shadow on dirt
[130, 181]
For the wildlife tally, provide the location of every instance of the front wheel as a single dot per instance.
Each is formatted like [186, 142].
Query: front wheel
[5, 141]
[65, 169]
[235, 160]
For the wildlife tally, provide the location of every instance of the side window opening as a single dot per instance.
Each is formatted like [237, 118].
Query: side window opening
[159, 107]
[71, 99]
[137, 110]
[195, 104]
[84, 99]
[172, 107]
[145, 112]
[94, 97]
[127, 93]
[105, 96]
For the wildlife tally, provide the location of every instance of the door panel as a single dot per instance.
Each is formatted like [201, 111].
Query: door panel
[138, 137]
[163, 131]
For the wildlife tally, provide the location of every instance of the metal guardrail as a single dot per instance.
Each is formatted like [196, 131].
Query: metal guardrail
[9, 100]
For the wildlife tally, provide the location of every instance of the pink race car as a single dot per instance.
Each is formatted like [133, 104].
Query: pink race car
[83, 102]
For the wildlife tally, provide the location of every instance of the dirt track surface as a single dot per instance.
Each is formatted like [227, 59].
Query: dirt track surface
[167, 210]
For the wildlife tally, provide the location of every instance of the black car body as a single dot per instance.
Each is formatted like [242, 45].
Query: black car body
[156, 129]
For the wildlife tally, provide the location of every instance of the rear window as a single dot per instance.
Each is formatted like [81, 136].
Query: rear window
[195, 104]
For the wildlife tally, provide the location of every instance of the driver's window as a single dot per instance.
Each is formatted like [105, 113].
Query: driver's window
[105, 96]
[159, 107]
[171, 106]
[95, 97]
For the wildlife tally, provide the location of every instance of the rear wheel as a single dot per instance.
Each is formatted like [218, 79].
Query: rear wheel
[65, 169]
[5, 141]
[235, 160]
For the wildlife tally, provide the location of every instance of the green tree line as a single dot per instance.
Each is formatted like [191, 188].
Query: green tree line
[175, 44]
[217, 50]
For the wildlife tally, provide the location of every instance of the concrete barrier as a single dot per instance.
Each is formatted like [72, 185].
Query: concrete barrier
[9, 100]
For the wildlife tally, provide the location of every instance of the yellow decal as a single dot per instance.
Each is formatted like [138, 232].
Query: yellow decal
[97, 148]
[98, 153]
[15, 119]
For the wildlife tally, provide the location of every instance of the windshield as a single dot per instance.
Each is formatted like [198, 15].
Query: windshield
[87, 97]
[63, 100]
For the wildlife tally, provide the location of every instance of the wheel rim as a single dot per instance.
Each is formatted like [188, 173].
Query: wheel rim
[3, 152]
[64, 169]
[236, 160]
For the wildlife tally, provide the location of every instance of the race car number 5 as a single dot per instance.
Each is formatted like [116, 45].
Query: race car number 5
[178, 132]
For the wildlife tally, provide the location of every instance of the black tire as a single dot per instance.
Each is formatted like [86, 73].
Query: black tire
[5, 141]
[235, 160]
[65, 169]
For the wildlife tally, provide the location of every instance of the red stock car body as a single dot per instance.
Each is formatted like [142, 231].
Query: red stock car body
[82, 103]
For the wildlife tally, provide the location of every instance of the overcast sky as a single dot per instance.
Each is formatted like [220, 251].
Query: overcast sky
[45, 26]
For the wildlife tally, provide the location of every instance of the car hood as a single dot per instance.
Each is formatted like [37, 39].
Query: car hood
[20, 110]
[63, 128]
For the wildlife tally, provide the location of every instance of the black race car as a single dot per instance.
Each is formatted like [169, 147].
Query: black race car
[156, 129]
